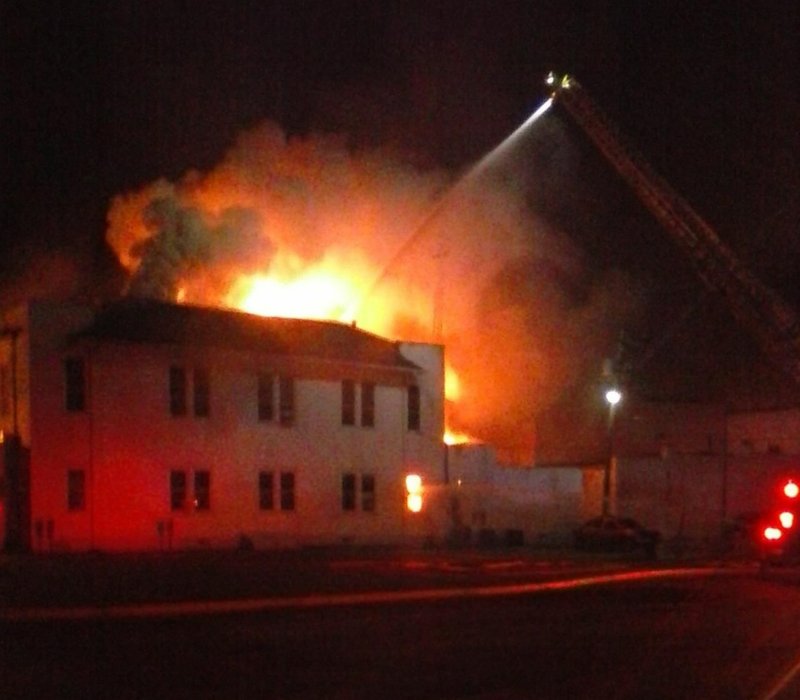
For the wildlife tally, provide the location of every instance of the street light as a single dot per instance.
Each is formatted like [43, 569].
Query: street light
[613, 397]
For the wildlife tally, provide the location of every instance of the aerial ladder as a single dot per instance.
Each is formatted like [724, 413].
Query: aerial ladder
[773, 323]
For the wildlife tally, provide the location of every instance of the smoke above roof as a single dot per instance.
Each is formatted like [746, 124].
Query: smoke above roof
[422, 254]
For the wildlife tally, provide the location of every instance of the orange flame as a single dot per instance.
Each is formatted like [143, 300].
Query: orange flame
[309, 228]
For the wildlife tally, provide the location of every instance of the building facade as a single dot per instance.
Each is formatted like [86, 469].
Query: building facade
[147, 426]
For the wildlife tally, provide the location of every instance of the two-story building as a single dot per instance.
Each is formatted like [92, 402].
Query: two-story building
[148, 425]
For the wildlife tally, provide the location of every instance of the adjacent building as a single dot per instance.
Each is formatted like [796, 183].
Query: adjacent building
[147, 425]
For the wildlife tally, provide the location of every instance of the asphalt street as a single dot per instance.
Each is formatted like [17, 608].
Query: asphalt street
[75, 580]
[628, 632]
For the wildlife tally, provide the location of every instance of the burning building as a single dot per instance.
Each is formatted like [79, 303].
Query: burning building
[147, 425]
[311, 227]
[298, 228]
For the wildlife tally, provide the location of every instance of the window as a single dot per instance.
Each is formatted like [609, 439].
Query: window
[5, 390]
[367, 405]
[286, 400]
[266, 491]
[348, 491]
[287, 490]
[177, 391]
[202, 490]
[367, 493]
[266, 391]
[76, 489]
[202, 392]
[413, 407]
[350, 495]
[348, 402]
[177, 489]
[75, 384]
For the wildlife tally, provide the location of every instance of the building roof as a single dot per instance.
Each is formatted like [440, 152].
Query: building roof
[149, 321]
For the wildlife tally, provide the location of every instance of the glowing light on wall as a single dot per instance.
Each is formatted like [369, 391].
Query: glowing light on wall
[414, 493]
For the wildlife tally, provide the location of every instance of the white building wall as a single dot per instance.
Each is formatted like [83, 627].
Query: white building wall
[57, 439]
[424, 450]
[127, 443]
[543, 503]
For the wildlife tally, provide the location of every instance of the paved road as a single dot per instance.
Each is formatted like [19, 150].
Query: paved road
[711, 636]
[98, 579]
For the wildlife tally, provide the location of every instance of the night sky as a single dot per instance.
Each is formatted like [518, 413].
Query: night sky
[102, 97]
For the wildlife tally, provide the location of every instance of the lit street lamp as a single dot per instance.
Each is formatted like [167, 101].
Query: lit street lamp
[613, 397]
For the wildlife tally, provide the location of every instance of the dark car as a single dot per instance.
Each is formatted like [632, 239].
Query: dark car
[615, 534]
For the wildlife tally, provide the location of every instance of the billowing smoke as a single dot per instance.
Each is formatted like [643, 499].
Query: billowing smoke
[275, 205]
[425, 255]
[185, 242]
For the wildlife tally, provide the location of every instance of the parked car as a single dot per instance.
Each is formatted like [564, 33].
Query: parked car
[611, 533]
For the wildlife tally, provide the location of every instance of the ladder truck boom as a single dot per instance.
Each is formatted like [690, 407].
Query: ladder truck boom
[773, 323]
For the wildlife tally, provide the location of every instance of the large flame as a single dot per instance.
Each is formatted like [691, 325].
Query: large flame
[311, 228]
[315, 292]
[307, 238]
[323, 292]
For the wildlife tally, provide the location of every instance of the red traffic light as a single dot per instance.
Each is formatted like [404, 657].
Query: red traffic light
[791, 489]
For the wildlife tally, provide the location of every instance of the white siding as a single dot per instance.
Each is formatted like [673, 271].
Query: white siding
[127, 442]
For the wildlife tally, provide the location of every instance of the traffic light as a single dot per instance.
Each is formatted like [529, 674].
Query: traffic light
[414, 493]
[786, 507]
[790, 491]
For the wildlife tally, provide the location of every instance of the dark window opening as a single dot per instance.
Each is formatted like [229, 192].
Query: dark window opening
[177, 490]
[75, 383]
[413, 407]
[266, 390]
[202, 490]
[348, 402]
[348, 491]
[286, 400]
[368, 405]
[266, 491]
[177, 391]
[76, 489]
[287, 491]
[368, 493]
[202, 393]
